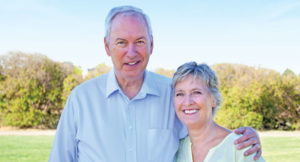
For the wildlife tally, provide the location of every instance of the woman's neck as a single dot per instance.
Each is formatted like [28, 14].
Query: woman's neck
[204, 138]
[203, 133]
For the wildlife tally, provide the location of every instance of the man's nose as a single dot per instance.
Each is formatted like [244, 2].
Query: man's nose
[131, 52]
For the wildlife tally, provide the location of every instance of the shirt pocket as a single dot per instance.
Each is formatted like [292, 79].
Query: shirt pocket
[161, 145]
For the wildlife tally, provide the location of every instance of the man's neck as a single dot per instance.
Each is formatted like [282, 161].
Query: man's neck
[130, 87]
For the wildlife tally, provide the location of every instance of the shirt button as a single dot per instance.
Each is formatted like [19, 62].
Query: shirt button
[130, 127]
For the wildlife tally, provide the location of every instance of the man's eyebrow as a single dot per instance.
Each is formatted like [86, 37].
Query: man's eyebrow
[142, 37]
[118, 39]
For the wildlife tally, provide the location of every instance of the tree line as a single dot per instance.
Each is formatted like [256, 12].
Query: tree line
[34, 89]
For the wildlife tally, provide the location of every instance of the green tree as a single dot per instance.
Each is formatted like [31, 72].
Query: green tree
[288, 72]
[165, 72]
[70, 82]
[98, 70]
[247, 95]
[2, 77]
[32, 88]
[258, 97]
[288, 102]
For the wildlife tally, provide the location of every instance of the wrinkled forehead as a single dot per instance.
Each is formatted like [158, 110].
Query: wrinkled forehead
[129, 26]
[133, 15]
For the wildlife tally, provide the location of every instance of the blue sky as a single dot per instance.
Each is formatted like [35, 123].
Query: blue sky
[259, 33]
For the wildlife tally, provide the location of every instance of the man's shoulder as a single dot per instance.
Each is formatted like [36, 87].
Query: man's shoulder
[92, 84]
[159, 79]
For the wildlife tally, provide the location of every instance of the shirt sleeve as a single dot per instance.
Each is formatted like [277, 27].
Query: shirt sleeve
[65, 146]
[179, 128]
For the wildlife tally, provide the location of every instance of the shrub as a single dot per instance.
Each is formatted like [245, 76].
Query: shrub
[32, 88]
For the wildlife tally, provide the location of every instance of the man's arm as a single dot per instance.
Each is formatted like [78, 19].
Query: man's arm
[250, 138]
[65, 145]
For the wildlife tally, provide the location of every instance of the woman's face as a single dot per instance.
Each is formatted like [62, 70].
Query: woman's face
[193, 102]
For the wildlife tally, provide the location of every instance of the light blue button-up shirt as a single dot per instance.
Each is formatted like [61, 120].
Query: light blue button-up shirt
[99, 123]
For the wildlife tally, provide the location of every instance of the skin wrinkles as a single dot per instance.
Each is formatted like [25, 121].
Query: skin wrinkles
[191, 94]
[194, 107]
[130, 48]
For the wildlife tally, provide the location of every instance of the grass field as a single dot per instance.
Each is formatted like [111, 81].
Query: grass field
[25, 148]
[37, 148]
[278, 149]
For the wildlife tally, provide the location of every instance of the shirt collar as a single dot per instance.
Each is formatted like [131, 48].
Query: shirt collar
[111, 83]
[149, 86]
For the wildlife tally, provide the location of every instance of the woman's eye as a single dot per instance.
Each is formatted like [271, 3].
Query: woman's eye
[179, 94]
[197, 92]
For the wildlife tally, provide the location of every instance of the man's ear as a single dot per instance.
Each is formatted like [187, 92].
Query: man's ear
[151, 45]
[106, 45]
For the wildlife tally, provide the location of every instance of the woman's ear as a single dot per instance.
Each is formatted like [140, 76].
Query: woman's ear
[214, 102]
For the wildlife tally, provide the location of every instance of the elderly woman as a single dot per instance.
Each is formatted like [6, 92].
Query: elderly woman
[196, 99]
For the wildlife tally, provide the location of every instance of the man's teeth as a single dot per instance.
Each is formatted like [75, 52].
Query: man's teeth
[190, 111]
[132, 63]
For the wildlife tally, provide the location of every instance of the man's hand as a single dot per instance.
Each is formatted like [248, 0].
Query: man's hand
[250, 137]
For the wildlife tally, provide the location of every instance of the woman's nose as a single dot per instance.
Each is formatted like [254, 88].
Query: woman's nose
[188, 100]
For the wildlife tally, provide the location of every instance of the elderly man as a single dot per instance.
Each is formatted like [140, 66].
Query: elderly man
[126, 114]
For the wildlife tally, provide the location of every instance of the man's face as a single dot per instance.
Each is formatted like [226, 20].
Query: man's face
[129, 46]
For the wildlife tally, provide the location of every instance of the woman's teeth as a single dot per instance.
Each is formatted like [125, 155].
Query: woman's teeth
[190, 111]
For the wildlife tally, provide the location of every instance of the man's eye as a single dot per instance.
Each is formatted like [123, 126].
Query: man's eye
[121, 43]
[140, 42]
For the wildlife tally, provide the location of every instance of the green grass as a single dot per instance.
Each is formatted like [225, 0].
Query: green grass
[37, 148]
[278, 149]
[25, 148]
